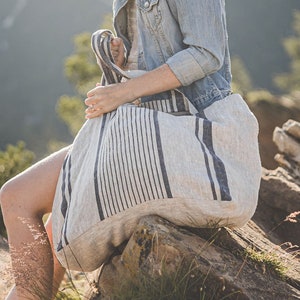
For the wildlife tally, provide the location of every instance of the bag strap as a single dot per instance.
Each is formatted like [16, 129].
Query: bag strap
[100, 43]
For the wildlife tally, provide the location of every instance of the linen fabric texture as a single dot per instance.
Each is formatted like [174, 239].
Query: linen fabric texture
[198, 169]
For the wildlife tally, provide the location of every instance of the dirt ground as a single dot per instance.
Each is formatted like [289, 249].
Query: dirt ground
[6, 279]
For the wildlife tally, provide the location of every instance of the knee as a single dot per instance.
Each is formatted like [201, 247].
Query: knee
[5, 192]
[8, 201]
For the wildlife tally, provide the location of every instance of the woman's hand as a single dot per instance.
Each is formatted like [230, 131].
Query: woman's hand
[117, 51]
[104, 99]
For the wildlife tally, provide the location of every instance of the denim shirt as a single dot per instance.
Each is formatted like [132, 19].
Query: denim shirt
[188, 35]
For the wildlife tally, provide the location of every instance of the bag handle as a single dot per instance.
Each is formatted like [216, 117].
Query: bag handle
[100, 43]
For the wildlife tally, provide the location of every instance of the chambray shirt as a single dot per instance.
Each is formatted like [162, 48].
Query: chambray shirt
[190, 36]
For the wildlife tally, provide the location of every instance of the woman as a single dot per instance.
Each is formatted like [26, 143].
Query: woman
[182, 45]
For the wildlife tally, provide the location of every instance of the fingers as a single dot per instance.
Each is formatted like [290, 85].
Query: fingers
[96, 102]
[104, 99]
[98, 109]
[93, 108]
[93, 112]
[117, 51]
[92, 93]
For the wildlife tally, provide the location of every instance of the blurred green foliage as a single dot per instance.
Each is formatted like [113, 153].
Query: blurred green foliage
[71, 111]
[81, 68]
[259, 95]
[241, 79]
[14, 160]
[290, 82]
[83, 72]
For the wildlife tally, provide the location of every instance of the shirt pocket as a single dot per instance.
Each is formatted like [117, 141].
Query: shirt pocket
[151, 13]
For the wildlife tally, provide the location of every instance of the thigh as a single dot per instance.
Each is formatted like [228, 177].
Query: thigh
[32, 191]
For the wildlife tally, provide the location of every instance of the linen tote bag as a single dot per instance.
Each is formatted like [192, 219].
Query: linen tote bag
[193, 168]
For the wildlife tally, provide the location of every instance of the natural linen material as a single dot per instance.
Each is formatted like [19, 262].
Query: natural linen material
[197, 170]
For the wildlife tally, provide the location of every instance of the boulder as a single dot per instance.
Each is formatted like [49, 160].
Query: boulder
[279, 190]
[287, 139]
[278, 209]
[186, 263]
[270, 113]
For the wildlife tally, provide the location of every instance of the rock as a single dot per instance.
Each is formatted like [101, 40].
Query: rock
[279, 189]
[279, 195]
[279, 198]
[292, 128]
[287, 144]
[214, 262]
[287, 140]
[271, 113]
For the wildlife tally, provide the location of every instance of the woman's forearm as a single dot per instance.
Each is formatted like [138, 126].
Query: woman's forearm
[153, 82]
[104, 99]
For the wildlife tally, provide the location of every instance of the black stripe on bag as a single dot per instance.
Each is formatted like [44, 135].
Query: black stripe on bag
[115, 161]
[70, 193]
[111, 174]
[129, 161]
[150, 143]
[218, 163]
[96, 185]
[137, 155]
[212, 184]
[180, 101]
[64, 202]
[124, 164]
[143, 136]
[161, 156]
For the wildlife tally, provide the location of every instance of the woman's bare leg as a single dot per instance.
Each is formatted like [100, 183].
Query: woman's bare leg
[58, 272]
[24, 201]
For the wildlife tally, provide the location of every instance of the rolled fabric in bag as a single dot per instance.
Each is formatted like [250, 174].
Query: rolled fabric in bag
[200, 169]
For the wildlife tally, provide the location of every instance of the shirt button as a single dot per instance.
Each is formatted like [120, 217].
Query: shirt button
[146, 4]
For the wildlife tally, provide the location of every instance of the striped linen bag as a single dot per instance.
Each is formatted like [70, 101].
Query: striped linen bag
[163, 158]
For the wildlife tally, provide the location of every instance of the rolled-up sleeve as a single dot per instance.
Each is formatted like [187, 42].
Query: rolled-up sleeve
[202, 25]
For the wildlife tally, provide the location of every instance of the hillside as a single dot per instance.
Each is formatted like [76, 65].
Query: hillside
[36, 37]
